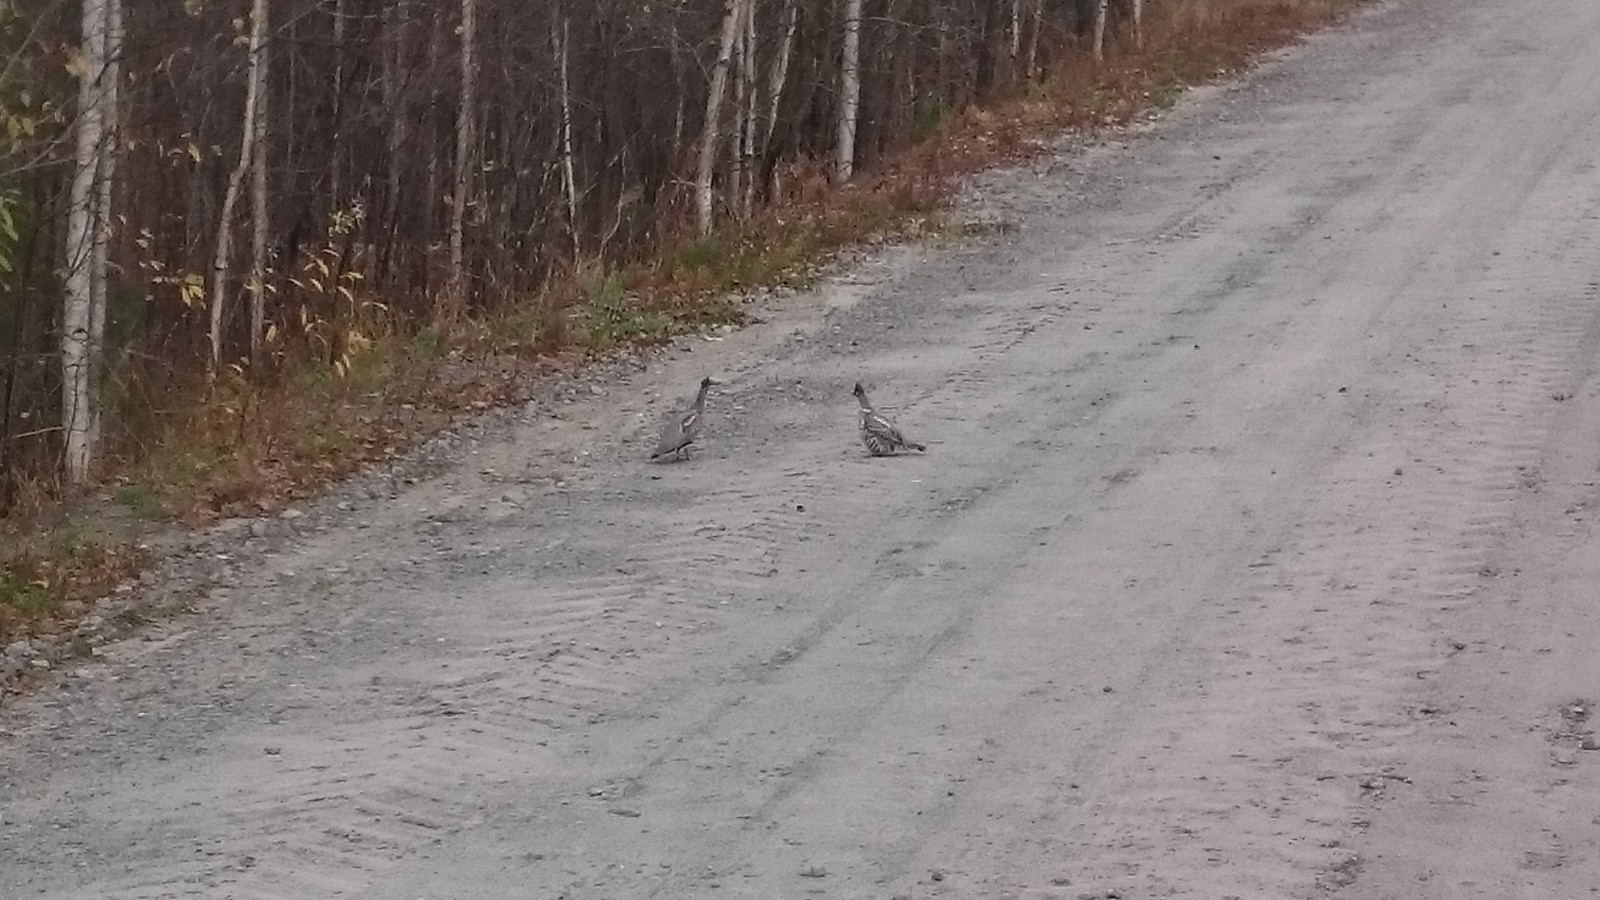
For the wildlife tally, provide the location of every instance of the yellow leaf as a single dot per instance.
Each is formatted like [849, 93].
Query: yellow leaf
[75, 64]
[192, 290]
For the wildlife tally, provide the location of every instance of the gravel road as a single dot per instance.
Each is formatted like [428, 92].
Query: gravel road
[1253, 556]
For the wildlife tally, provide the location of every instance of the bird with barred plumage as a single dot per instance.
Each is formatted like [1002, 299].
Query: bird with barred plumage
[680, 429]
[880, 435]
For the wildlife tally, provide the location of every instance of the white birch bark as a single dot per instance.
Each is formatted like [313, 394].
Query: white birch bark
[84, 220]
[394, 31]
[561, 35]
[844, 160]
[432, 139]
[675, 47]
[456, 292]
[778, 74]
[745, 94]
[259, 61]
[1037, 16]
[336, 177]
[110, 144]
[777, 80]
[1016, 36]
[230, 197]
[1099, 30]
[711, 131]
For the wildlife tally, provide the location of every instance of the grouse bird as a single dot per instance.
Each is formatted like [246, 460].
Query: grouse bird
[878, 433]
[680, 428]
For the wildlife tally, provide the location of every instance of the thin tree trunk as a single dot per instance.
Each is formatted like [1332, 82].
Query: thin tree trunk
[777, 80]
[1099, 30]
[778, 74]
[336, 188]
[712, 129]
[84, 219]
[1037, 15]
[1138, 24]
[455, 295]
[745, 97]
[110, 145]
[259, 211]
[679, 92]
[844, 160]
[432, 190]
[1016, 38]
[230, 198]
[393, 104]
[562, 36]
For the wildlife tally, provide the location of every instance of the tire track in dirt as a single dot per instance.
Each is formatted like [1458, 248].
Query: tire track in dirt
[1343, 602]
[1514, 803]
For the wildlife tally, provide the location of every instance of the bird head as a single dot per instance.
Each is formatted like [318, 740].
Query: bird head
[708, 381]
[859, 391]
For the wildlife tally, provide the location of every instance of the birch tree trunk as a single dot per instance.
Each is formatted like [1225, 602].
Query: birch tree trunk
[110, 145]
[1037, 16]
[431, 136]
[393, 66]
[679, 92]
[745, 94]
[455, 294]
[1099, 30]
[230, 197]
[336, 176]
[844, 160]
[259, 60]
[84, 219]
[561, 35]
[1016, 37]
[777, 79]
[711, 131]
[778, 74]
[1138, 23]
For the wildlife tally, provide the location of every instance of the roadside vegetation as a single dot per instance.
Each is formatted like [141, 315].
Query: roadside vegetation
[289, 255]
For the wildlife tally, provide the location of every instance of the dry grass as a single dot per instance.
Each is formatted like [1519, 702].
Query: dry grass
[233, 448]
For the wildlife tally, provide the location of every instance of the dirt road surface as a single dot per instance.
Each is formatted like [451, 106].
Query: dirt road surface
[1253, 556]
